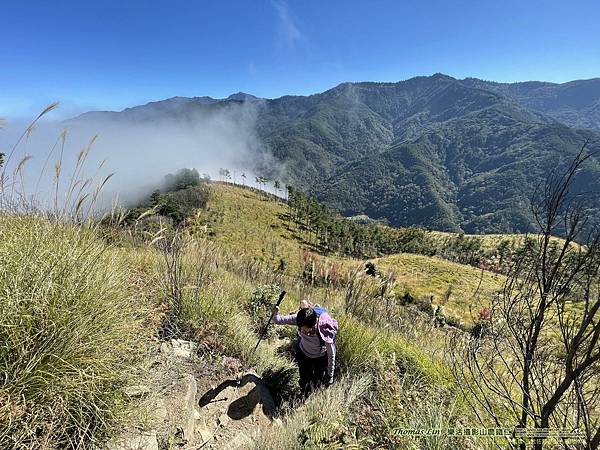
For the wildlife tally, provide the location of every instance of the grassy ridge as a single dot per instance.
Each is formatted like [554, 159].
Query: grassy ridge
[215, 300]
[249, 224]
[74, 309]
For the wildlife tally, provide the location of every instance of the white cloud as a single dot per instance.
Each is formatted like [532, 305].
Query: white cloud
[139, 151]
[288, 30]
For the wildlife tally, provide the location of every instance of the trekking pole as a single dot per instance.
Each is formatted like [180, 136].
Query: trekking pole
[264, 330]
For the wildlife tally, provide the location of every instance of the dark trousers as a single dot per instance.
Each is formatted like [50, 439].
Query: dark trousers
[312, 371]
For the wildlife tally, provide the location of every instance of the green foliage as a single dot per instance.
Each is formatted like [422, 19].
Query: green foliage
[155, 198]
[323, 421]
[212, 306]
[282, 382]
[184, 194]
[482, 328]
[180, 204]
[259, 306]
[182, 179]
[371, 269]
[330, 233]
[433, 152]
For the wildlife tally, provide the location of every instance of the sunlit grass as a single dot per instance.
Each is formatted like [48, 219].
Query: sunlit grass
[71, 328]
[461, 289]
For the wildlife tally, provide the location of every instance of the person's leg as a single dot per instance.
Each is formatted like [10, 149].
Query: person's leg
[319, 370]
[305, 370]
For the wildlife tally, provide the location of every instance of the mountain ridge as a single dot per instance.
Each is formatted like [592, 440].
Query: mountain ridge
[434, 151]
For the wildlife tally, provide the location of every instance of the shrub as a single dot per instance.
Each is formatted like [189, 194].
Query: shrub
[321, 422]
[481, 329]
[260, 304]
[371, 268]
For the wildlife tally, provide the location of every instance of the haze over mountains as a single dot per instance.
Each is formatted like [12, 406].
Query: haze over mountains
[432, 151]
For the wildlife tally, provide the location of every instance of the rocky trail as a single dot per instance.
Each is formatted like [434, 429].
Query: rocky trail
[196, 402]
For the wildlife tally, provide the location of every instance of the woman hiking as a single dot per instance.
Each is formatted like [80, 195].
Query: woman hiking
[315, 346]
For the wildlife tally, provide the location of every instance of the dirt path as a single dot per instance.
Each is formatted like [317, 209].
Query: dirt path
[195, 401]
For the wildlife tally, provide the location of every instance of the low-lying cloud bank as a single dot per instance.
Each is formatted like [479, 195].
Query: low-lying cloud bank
[140, 146]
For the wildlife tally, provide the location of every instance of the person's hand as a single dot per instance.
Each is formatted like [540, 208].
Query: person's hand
[275, 310]
[306, 304]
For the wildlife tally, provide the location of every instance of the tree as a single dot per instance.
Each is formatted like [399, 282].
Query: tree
[155, 198]
[182, 179]
[277, 186]
[541, 361]
[224, 174]
[244, 178]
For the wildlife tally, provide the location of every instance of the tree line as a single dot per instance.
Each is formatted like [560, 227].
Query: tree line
[329, 232]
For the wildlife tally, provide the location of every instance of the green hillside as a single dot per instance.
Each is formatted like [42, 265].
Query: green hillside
[440, 153]
[437, 152]
[462, 290]
[475, 174]
[251, 224]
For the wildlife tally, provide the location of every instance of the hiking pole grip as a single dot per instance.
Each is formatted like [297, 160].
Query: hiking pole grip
[280, 298]
[264, 330]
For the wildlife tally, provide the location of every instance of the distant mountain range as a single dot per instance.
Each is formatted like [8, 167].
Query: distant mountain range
[448, 154]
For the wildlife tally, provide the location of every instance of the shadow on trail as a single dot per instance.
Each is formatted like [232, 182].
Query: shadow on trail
[245, 405]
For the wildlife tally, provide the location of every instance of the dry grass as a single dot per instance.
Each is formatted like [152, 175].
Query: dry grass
[320, 422]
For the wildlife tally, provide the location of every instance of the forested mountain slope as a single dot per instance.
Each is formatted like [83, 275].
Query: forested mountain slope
[433, 151]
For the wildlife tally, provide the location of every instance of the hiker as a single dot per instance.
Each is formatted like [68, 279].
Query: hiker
[315, 346]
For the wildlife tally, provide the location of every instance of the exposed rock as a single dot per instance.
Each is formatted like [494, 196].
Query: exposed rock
[203, 435]
[223, 420]
[183, 349]
[179, 348]
[134, 441]
[178, 408]
[139, 390]
[160, 412]
[190, 407]
[181, 352]
[241, 440]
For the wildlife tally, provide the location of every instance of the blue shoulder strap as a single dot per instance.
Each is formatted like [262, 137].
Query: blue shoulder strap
[319, 310]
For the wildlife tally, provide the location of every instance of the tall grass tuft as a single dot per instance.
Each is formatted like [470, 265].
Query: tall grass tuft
[70, 331]
[321, 422]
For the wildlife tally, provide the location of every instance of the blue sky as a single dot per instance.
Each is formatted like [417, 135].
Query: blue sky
[113, 54]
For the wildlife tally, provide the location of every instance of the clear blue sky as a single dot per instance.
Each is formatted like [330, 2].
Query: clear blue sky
[107, 54]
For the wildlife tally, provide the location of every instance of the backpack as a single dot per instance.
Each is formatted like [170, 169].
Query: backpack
[327, 326]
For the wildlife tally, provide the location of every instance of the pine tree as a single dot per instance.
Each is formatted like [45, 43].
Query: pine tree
[155, 198]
